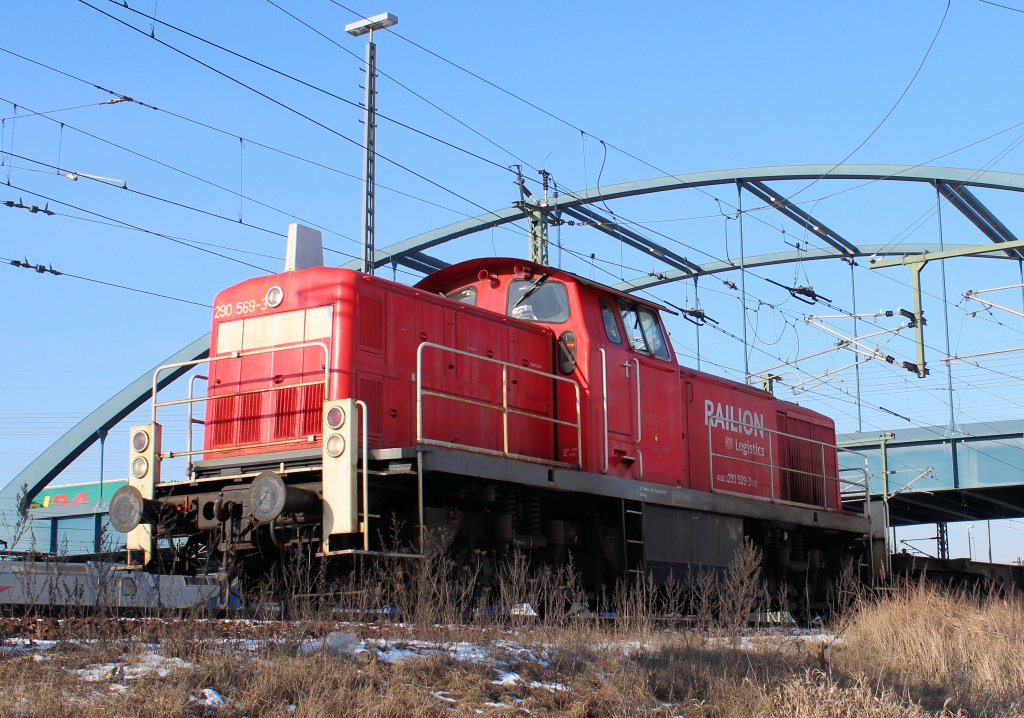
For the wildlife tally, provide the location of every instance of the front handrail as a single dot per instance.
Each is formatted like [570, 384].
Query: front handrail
[191, 415]
[505, 409]
[364, 411]
[191, 400]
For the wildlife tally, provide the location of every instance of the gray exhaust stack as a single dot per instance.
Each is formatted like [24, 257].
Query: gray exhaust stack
[305, 248]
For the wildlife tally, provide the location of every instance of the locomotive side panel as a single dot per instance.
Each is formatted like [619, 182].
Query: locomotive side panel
[660, 435]
[410, 322]
[532, 396]
[730, 437]
[465, 377]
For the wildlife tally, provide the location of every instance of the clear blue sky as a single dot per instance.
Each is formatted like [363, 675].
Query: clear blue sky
[681, 87]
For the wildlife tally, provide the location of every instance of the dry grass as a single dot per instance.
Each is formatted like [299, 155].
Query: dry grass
[959, 648]
[913, 652]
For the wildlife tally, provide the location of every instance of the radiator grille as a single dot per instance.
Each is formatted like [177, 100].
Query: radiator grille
[371, 391]
[286, 414]
[222, 424]
[802, 475]
[371, 323]
[311, 411]
[249, 411]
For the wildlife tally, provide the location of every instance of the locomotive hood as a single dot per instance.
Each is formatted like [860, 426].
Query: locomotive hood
[458, 275]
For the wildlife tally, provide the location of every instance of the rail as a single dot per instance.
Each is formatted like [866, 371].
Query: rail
[850, 490]
[504, 408]
[192, 400]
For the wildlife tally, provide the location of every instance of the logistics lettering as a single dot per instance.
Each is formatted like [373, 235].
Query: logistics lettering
[735, 419]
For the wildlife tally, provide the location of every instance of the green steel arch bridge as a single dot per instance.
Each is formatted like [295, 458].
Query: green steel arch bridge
[974, 471]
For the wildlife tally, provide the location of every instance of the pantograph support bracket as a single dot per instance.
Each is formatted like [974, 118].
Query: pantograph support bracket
[915, 263]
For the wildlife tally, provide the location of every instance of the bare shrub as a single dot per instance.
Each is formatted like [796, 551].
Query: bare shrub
[817, 694]
[741, 589]
[444, 589]
[516, 591]
[636, 602]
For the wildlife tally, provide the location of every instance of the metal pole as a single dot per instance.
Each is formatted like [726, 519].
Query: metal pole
[945, 313]
[988, 526]
[884, 455]
[696, 301]
[856, 367]
[369, 153]
[942, 539]
[102, 434]
[743, 281]
[1020, 273]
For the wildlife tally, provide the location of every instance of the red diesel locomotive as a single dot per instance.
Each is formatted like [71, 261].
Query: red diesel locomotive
[500, 405]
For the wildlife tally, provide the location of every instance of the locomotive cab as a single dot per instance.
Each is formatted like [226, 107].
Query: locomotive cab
[612, 344]
[507, 405]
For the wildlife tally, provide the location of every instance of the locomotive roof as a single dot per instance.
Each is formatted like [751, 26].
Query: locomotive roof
[463, 273]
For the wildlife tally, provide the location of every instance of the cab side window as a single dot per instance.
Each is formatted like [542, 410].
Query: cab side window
[466, 295]
[634, 333]
[611, 324]
[643, 330]
[656, 342]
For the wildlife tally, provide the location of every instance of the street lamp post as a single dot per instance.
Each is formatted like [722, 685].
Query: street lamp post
[366, 26]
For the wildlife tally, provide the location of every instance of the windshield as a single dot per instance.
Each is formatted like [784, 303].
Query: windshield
[538, 300]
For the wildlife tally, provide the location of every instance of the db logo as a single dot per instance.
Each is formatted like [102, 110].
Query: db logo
[729, 441]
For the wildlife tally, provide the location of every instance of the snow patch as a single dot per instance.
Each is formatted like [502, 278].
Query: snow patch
[146, 664]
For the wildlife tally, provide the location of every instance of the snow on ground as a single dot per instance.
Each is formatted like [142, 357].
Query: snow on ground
[510, 678]
[15, 645]
[148, 663]
[209, 698]
[501, 656]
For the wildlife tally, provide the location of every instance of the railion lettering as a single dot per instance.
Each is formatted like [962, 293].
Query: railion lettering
[733, 418]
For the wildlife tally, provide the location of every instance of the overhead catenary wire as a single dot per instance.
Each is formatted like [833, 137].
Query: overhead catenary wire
[288, 107]
[1000, 5]
[17, 263]
[408, 89]
[302, 82]
[138, 228]
[896, 104]
[188, 174]
[229, 133]
[119, 225]
[166, 200]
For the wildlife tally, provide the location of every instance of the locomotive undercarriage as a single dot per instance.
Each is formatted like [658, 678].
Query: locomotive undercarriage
[483, 510]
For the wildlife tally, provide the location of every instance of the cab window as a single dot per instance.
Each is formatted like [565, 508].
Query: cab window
[611, 324]
[656, 342]
[643, 330]
[538, 300]
[466, 295]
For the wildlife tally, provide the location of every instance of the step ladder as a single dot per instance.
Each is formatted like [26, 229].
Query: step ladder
[633, 536]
